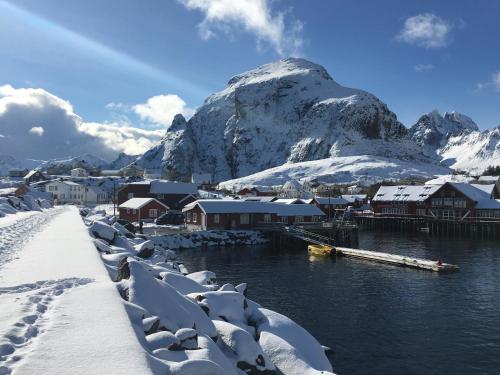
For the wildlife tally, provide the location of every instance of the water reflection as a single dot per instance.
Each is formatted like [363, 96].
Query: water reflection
[380, 318]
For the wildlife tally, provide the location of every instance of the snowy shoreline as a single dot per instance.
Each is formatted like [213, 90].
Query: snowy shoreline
[186, 322]
[209, 238]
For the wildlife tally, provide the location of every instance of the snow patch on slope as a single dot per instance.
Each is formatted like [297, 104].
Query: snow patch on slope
[363, 169]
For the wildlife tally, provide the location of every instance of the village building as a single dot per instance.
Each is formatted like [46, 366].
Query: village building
[173, 194]
[403, 199]
[288, 201]
[447, 201]
[140, 209]
[95, 195]
[79, 173]
[257, 191]
[330, 205]
[493, 190]
[356, 200]
[34, 176]
[18, 173]
[66, 192]
[242, 214]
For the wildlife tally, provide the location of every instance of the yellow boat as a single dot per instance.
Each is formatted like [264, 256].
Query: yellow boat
[320, 250]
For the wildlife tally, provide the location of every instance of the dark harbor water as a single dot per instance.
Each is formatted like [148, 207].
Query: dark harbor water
[380, 319]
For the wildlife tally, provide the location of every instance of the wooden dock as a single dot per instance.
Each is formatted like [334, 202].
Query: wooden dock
[397, 260]
[373, 256]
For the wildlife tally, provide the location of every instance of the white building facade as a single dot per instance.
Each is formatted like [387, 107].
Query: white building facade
[66, 192]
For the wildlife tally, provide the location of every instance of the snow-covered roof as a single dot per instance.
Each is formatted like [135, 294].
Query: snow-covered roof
[351, 198]
[487, 188]
[489, 178]
[7, 191]
[292, 185]
[221, 206]
[288, 201]
[31, 173]
[405, 193]
[488, 204]
[137, 203]
[470, 191]
[260, 199]
[331, 200]
[170, 187]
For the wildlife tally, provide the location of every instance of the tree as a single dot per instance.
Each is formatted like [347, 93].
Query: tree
[492, 171]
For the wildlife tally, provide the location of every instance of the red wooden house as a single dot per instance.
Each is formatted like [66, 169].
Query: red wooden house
[138, 209]
[240, 214]
[173, 194]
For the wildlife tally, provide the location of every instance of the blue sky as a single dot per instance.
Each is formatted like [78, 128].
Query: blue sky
[107, 58]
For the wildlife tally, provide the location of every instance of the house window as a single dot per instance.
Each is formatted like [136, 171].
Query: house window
[421, 211]
[188, 216]
[244, 219]
[216, 219]
[134, 211]
[161, 196]
[130, 195]
[267, 218]
[128, 210]
[299, 219]
[284, 219]
[153, 212]
[315, 219]
[195, 217]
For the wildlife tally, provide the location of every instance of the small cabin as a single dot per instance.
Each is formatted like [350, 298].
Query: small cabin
[139, 209]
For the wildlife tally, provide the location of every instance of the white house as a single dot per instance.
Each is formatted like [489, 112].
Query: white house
[294, 189]
[79, 172]
[95, 195]
[66, 191]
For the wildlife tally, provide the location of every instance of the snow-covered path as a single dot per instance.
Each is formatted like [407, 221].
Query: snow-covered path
[15, 230]
[59, 311]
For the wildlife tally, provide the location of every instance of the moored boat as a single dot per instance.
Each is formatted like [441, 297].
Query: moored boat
[320, 250]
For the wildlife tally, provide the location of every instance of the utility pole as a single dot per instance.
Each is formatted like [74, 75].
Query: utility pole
[114, 198]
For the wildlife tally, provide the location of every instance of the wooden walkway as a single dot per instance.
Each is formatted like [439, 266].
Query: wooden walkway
[373, 256]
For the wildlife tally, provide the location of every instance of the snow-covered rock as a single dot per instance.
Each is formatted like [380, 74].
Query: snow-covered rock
[287, 111]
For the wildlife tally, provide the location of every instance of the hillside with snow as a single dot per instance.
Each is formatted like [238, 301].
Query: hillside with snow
[363, 170]
[457, 140]
[289, 111]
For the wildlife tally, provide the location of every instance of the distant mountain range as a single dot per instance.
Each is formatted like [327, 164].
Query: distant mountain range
[8, 162]
[291, 114]
[292, 111]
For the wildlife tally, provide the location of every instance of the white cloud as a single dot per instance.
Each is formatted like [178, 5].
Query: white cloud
[64, 132]
[426, 30]
[37, 130]
[422, 68]
[496, 81]
[161, 109]
[493, 83]
[254, 16]
[132, 141]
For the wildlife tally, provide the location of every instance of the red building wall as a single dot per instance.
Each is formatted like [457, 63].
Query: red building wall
[143, 213]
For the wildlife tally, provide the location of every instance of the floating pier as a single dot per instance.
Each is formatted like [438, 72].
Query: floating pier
[373, 256]
[397, 260]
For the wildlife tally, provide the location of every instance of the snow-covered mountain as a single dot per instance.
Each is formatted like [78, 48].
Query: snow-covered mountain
[122, 160]
[8, 162]
[71, 162]
[457, 140]
[474, 151]
[288, 111]
[433, 130]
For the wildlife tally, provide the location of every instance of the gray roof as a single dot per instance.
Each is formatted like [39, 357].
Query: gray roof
[170, 187]
[471, 191]
[225, 206]
[332, 201]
